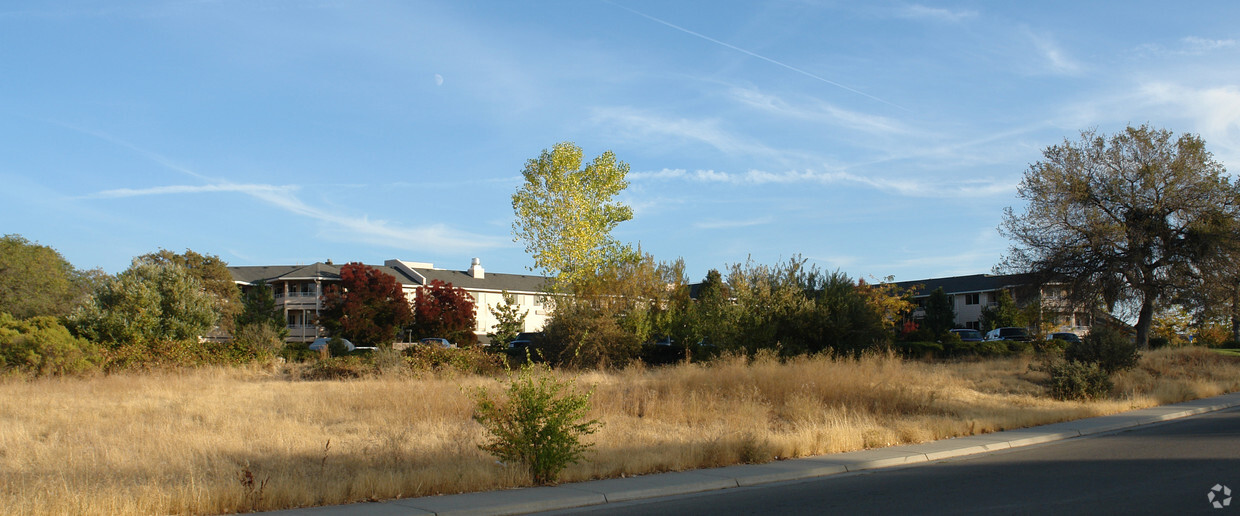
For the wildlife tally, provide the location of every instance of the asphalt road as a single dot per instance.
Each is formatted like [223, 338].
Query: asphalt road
[1166, 468]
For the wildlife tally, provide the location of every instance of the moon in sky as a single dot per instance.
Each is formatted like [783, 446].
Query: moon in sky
[438, 80]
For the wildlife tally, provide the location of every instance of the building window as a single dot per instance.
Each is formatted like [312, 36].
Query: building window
[973, 299]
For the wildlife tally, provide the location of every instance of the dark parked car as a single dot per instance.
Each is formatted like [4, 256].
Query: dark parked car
[1009, 333]
[967, 334]
[1065, 336]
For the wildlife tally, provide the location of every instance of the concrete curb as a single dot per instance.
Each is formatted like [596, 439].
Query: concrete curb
[595, 492]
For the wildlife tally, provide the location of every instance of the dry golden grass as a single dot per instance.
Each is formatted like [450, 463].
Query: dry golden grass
[184, 442]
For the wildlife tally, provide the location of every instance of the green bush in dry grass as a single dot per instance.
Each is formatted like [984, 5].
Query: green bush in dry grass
[1074, 380]
[469, 360]
[538, 424]
[1110, 349]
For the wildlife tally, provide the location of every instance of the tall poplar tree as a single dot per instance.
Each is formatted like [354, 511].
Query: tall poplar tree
[565, 213]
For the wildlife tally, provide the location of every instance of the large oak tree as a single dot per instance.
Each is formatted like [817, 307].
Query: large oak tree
[1126, 218]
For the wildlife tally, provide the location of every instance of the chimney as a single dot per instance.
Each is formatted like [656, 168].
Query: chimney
[475, 269]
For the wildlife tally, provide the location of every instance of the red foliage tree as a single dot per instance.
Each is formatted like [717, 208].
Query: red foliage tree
[441, 310]
[368, 307]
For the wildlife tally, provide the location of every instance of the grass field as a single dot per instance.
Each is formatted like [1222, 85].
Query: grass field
[227, 440]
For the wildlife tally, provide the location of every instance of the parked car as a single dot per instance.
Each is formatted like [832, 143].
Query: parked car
[322, 343]
[1065, 336]
[1009, 333]
[437, 342]
[967, 334]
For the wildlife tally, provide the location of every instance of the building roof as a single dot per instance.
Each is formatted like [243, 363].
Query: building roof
[489, 281]
[251, 274]
[968, 284]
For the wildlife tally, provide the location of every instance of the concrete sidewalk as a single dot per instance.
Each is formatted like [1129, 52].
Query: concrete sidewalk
[517, 501]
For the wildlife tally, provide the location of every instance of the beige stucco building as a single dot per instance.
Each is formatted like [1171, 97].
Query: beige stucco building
[299, 290]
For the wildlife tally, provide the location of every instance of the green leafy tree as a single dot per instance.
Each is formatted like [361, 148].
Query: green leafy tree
[774, 307]
[146, 303]
[1215, 299]
[509, 321]
[611, 314]
[1127, 219]
[1004, 314]
[258, 307]
[212, 273]
[260, 326]
[714, 313]
[444, 311]
[35, 280]
[940, 315]
[41, 346]
[368, 307]
[565, 213]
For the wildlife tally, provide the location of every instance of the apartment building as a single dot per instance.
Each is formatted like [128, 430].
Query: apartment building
[971, 294]
[299, 290]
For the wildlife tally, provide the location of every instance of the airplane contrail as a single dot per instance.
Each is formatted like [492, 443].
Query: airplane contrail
[753, 54]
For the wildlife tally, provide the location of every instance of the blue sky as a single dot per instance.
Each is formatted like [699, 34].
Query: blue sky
[877, 138]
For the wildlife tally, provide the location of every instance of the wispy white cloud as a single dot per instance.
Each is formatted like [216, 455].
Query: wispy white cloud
[344, 226]
[1054, 59]
[189, 189]
[639, 125]
[1212, 112]
[732, 224]
[904, 187]
[1195, 45]
[818, 111]
[921, 12]
[1190, 46]
[758, 56]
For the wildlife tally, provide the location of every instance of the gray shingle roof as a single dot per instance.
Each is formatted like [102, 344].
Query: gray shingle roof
[969, 284]
[250, 274]
[490, 280]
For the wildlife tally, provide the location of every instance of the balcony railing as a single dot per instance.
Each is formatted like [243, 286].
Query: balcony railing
[303, 333]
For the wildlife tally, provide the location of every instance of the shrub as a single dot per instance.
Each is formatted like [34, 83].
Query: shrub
[41, 346]
[538, 424]
[471, 360]
[1073, 380]
[1053, 347]
[1112, 350]
[915, 349]
[298, 352]
[992, 348]
[1019, 347]
[337, 347]
[335, 368]
[1159, 342]
[257, 341]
